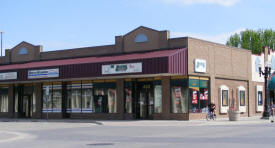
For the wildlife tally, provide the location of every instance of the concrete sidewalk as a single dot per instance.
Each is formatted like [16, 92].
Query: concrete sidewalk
[219, 121]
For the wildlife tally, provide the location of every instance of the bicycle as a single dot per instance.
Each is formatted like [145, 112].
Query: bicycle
[211, 115]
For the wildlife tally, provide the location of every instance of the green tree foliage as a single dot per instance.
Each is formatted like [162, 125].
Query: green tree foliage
[253, 40]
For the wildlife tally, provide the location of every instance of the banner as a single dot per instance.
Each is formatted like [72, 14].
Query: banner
[43, 73]
[121, 68]
[8, 75]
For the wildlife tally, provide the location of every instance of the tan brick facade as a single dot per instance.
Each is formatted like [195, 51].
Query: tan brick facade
[224, 66]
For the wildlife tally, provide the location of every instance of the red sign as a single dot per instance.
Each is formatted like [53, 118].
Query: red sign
[205, 94]
[194, 99]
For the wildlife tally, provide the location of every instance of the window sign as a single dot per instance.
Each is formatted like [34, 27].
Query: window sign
[43, 73]
[122, 68]
[200, 65]
[8, 75]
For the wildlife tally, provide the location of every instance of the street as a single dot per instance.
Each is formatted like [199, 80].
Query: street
[250, 133]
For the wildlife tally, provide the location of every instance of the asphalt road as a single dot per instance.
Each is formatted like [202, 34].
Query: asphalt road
[138, 134]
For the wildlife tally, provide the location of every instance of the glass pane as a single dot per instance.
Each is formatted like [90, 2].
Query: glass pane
[100, 101]
[179, 99]
[128, 100]
[34, 100]
[4, 99]
[158, 99]
[112, 100]
[68, 100]
[47, 98]
[76, 98]
[16, 100]
[203, 96]
[57, 97]
[87, 98]
[224, 97]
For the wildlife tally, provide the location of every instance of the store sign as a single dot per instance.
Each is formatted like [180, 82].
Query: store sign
[8, 76]
[200, 65]
[43, 73]
[121, 68]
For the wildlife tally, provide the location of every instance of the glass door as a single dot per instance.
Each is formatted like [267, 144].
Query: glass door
[26, 106]
[145, 104]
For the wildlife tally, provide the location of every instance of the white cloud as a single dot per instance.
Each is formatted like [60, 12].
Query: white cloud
[217, 38]
[225, 3]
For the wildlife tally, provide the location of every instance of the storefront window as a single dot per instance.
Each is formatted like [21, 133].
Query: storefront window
[80, 97]
[199, 97]
[87, 98]
[76, 98]
[4, 104]
[179, 97]
[52, 98]
[105, 98]
[57, 97]
[157, 97]
[128, 91]
[47, 98]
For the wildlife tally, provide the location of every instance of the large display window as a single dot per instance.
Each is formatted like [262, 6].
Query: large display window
[4, 98]
[179, 96]
[105, 97]
[199, 94]
[52, 97]
[80, 97]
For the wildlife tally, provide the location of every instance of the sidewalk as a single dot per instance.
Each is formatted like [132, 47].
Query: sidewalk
[219, 121]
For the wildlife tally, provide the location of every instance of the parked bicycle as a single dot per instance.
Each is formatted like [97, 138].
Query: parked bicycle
[210, 116]
[211, 112]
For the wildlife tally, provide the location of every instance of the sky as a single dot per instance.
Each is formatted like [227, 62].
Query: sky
[65, 24]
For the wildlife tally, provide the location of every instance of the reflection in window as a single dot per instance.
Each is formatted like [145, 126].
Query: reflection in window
[158, 98]
[242, 98]
[224, 97]
[179, 96]
[4, 99]
[141, 38]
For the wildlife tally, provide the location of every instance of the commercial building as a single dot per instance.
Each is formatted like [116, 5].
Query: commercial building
[144, 75]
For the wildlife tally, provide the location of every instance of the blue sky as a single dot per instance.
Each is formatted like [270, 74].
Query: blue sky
[63, 24]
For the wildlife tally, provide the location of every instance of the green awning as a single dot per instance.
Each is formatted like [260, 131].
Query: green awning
[271, 83]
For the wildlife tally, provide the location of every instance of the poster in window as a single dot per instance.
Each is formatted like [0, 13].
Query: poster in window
[177, 92]
[201, 96]
[194, 98]
[205, 94]
[128, 95]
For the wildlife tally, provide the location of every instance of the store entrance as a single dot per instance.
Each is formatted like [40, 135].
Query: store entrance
[25, 101]
[145, 101]
[26, 106]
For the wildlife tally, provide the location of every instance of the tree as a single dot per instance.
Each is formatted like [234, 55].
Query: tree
[253, 40]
